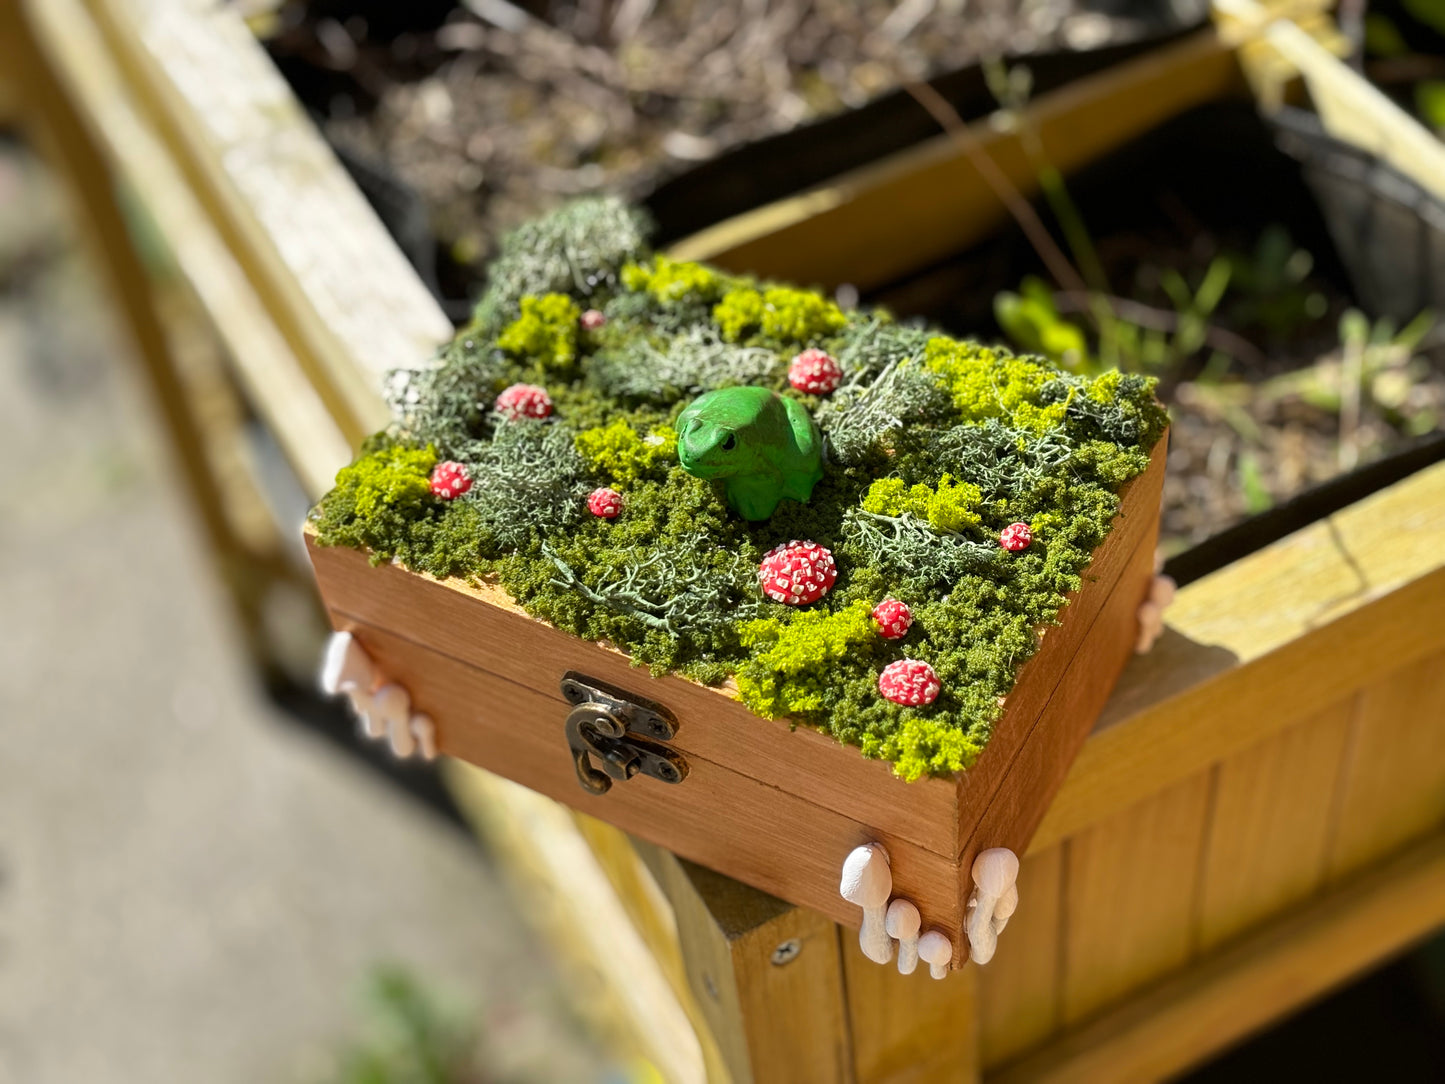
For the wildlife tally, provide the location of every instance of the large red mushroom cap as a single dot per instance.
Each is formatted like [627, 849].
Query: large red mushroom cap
[814, 371]
[910, 682]
[797, 573]
[524, 401]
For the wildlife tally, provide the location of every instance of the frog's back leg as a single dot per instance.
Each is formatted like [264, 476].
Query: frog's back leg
[804, 466]
[806, 436]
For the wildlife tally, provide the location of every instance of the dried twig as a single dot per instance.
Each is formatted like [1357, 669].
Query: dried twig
[1013, 200]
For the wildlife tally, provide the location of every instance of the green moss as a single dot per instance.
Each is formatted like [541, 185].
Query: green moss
[545, 333]
[935, 445]
[779, 313]
[950, 507]
[669, 282]
[792, 668]
[620, 456]
[987, 383]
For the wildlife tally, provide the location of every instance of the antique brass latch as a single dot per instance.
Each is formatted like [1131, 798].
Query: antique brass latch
[624, 733]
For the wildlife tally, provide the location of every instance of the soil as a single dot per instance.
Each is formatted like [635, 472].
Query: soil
[1276, 415]
[497, 113]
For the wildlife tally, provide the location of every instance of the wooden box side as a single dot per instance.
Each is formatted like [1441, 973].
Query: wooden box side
[1042, 676]
[482, 627]
[760, 834]
[771, 806]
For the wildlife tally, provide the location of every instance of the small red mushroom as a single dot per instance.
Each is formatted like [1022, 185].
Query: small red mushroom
[910, 682]
[892, 618]
[815, 372]
[524, 401]
[593, 320]
[605, 502]
[1015, 537]
[449, 480]
[797, 573]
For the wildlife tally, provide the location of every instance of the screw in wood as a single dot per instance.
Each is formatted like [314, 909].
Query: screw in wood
[787, 952]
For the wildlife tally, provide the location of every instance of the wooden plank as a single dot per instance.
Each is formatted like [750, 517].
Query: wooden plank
[1013, 814]
[1278, 636]
[1164, 1030]
[583, 922]
[1394, 784]
[1019, 992]
[268, 371]
[715, 816]
[769, 977]
[910, 1029]
[656, 922]
[1043, 678]
[1129, 893]
[331, 279]
[882, 221]
[1271, 824]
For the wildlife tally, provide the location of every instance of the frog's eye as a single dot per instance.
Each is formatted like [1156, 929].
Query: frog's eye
[731, 443]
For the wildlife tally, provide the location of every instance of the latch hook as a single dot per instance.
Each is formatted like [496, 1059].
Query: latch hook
[609, 725]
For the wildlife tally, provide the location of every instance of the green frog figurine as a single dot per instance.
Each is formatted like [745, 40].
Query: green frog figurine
[763, 446]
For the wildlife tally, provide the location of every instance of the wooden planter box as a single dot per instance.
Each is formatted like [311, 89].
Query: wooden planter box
[776, 807]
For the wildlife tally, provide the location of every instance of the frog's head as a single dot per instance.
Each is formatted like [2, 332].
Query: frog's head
[718, 435]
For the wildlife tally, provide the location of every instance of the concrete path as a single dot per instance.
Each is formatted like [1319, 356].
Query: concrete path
[191, 888]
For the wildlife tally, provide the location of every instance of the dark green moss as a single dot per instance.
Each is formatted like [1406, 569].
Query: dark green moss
[935, 446]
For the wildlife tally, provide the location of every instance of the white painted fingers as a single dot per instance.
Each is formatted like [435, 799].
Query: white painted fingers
[1151, 613]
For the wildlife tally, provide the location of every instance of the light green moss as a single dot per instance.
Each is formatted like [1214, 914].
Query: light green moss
[620, 457]
[951, 506]
[792, 666]
[780, 313]
[545, 333]
[671, 281]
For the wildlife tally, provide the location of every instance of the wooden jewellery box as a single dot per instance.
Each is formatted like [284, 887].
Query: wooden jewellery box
[776, 807]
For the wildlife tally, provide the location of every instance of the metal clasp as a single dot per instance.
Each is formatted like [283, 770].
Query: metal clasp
[624, 733]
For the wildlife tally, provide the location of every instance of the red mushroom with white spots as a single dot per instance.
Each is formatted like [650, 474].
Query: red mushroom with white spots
[605, 503]
[910, 682]
[892, 619]
[524, 401]
[449, 480]
[1016, 537]
[797, 573]
[815, 372]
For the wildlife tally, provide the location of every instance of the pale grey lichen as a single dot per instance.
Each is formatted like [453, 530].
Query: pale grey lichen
[578, 249]
[527, 479]
[693, 362]
[858, 415]
[909, 547]
[674, 590]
